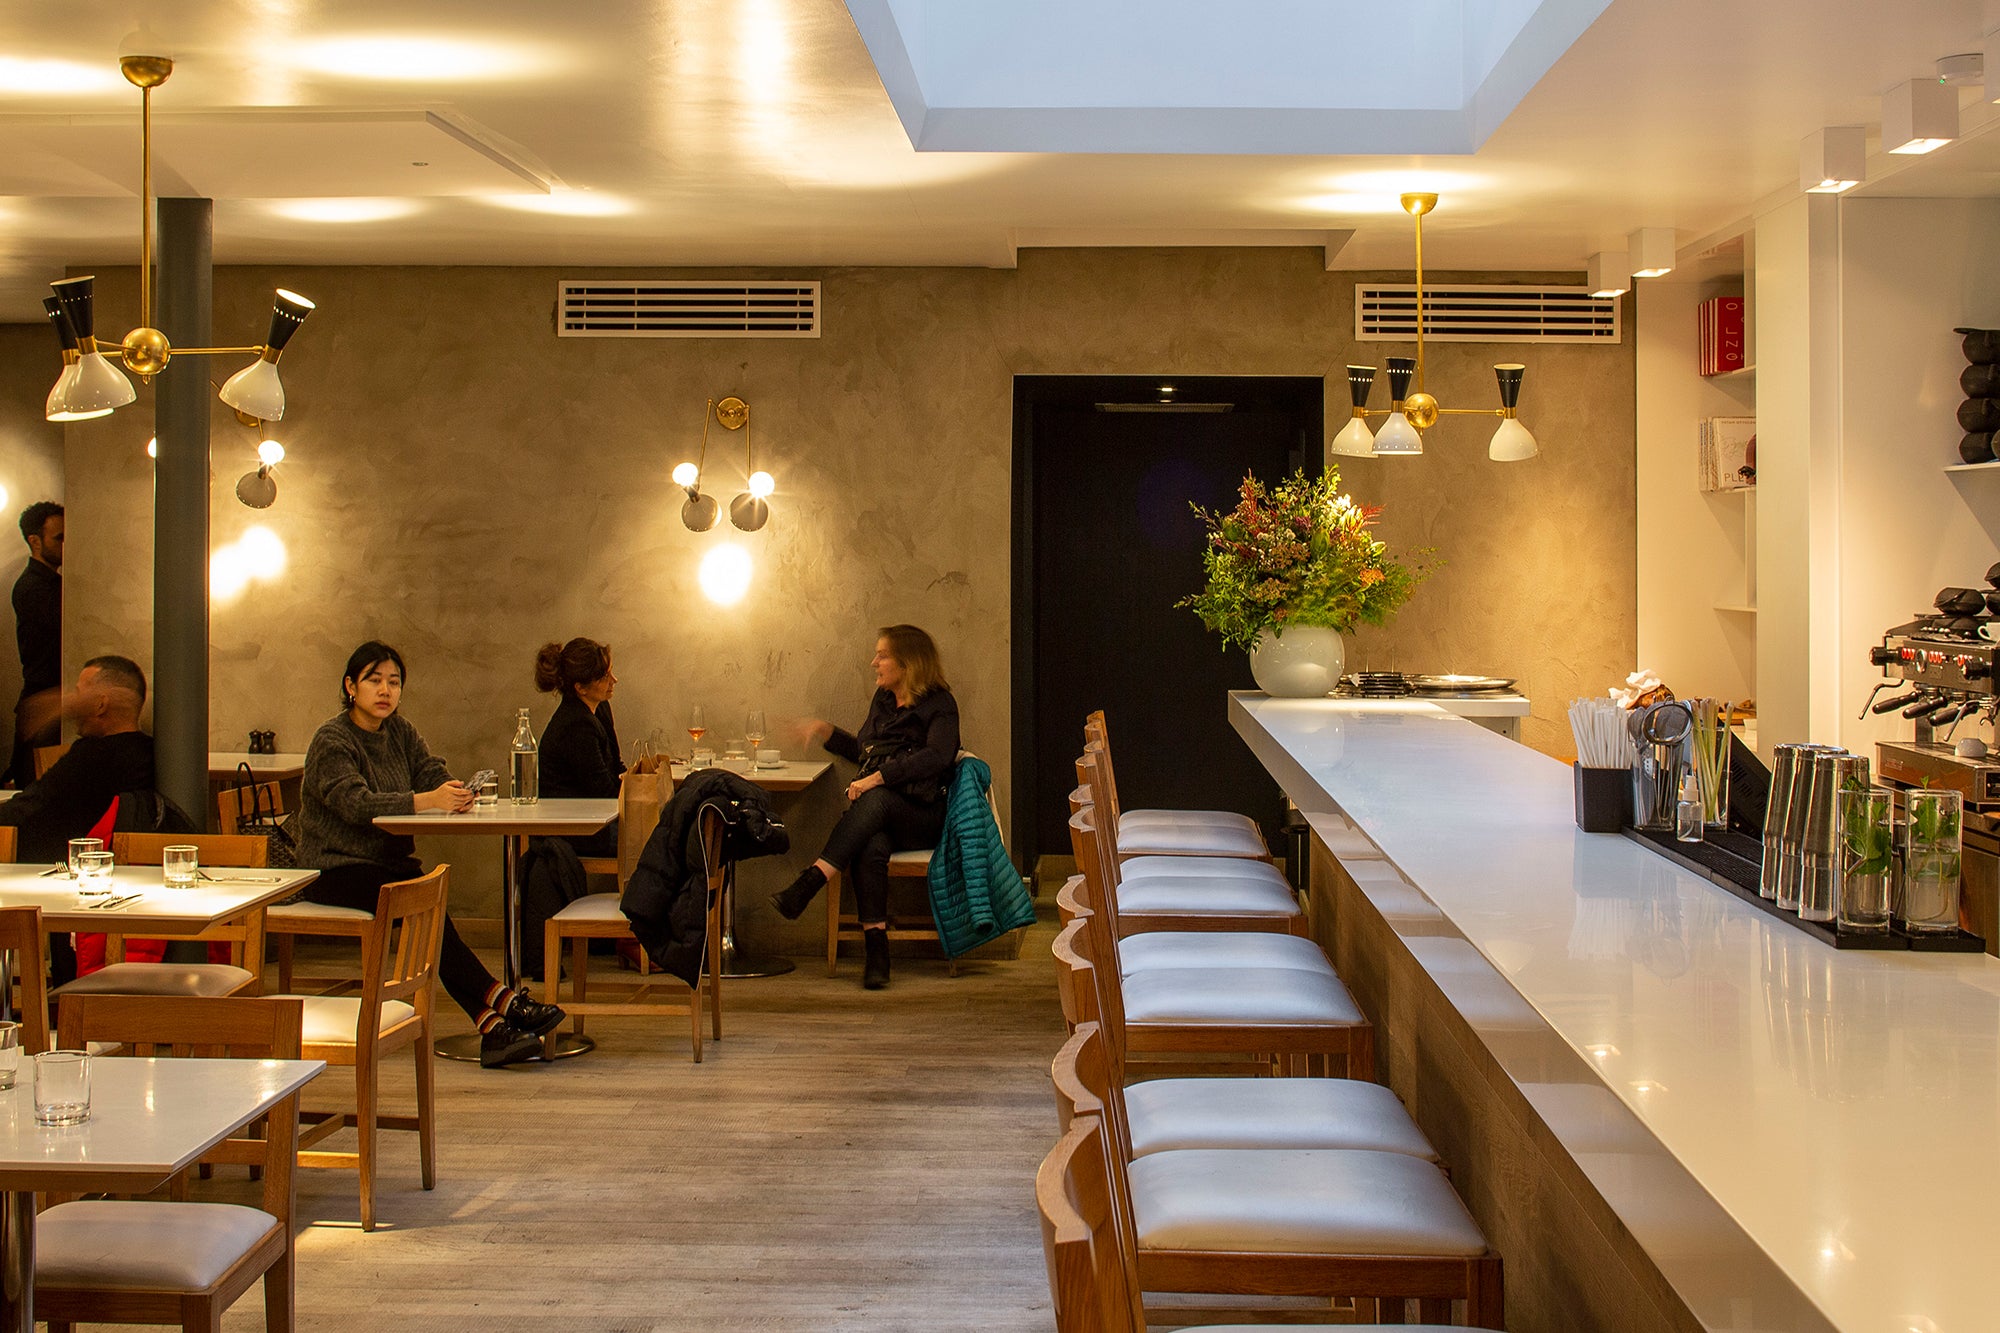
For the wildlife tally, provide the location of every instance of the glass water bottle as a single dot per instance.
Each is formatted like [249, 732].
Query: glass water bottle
[524, 770]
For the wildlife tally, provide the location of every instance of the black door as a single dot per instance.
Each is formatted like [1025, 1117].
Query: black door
[1106, 543]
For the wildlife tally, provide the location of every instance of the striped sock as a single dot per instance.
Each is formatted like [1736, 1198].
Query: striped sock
[497, 1000]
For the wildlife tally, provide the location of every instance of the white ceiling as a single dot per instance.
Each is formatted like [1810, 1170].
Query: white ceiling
[702, 132]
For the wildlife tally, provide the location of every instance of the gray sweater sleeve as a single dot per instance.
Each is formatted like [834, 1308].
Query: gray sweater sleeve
[336, 779]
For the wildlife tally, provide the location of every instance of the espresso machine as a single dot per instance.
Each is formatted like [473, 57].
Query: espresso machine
[1941, 671]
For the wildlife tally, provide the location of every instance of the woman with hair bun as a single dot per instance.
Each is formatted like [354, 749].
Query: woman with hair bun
[579, 747]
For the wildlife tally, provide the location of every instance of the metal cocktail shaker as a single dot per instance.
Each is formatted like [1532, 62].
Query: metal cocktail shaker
[1784, 770]
[1819, 877]
[1791, 846]
[1661, 734]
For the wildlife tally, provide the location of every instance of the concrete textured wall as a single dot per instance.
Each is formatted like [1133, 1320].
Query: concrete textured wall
[31, 469]
[465, 484]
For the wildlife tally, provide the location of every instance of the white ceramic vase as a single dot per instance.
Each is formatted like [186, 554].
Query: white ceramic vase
[1304, 662]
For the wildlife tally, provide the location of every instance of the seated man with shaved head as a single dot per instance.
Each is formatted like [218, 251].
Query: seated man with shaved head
[110, 755]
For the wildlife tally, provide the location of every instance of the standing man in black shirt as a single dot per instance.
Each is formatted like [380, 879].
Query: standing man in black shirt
[38, 634]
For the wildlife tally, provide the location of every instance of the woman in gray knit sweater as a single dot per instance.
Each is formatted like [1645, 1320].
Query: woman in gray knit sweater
[370, 761]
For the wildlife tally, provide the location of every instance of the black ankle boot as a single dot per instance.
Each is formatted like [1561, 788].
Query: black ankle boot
[875, 971]
[793, 899]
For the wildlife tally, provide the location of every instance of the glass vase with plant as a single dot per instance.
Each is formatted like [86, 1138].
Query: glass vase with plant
[1931, 851]
[1867, 847]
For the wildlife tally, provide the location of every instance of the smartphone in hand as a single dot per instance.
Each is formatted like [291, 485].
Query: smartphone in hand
[482, 777]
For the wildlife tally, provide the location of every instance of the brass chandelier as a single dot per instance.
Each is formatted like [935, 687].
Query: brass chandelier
[90, 385]
[1413, 411]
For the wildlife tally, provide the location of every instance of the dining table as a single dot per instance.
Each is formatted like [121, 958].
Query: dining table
[513, 824]
[141, 899]
[149, 1119]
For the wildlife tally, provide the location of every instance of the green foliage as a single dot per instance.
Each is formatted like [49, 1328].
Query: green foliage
[1299, 554]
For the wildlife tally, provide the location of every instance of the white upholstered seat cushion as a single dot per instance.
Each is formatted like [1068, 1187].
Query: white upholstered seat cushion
[1191, 840]
[1228, 948]
[1192, 897]
[186, 979]
[297, 912]
[1133, 870]
[1315, 1201]
[115, 1245]
[1170, 1113]
[332, 1020]
[592, 907]
[1131, 821]
[1231, 996]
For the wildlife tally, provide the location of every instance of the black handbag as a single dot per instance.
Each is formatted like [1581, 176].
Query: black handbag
[264, 820]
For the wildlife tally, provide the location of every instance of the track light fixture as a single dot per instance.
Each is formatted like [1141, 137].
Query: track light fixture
[749, 510]
[1833, 160]
[1413, 411]
[90, 385]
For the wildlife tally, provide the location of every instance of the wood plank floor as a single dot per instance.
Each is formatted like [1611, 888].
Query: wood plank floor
[842, 1160]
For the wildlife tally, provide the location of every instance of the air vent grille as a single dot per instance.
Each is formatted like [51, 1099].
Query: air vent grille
[686, 309]
[1475, 313]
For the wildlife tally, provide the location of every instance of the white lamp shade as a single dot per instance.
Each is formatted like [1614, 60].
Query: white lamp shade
[1354, 440]
[1512, 443]
[93, 387]
[1919, 115]
[1651, 250]
[1398, 438]
[53, 408]
[1833, 160]
[256, 391]
[1610, 273]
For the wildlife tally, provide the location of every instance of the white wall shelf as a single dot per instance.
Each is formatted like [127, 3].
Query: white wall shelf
[1739, 610]
[1740, 373]
[1993, 466]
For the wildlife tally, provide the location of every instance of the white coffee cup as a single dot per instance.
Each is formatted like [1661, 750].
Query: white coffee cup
[770, 759]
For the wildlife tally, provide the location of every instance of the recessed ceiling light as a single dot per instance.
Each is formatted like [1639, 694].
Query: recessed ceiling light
[57, 78]
[1344, 203]
[565, 203]
[401, 58]
[343, 210]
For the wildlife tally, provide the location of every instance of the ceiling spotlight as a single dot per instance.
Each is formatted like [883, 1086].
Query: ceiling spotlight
[1610, 273]
[1918, 116]
[1651, 250]
[1833, 160]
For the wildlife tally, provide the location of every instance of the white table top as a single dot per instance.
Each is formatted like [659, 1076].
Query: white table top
[1841, 1108]
[1486, 703]
[223, 763]
[566, 816]
[230, 893]
[148, 1119]
[790, 776]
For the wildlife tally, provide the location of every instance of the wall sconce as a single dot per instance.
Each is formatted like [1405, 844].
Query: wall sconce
[748, 510]
[259, 489]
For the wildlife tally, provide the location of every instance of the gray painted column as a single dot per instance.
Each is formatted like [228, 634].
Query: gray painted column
[180, 511]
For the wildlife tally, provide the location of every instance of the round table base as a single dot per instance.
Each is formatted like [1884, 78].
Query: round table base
[559, 1046]
[735, 965]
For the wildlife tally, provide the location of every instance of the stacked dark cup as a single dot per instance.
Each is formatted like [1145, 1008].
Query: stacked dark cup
[1979, 414]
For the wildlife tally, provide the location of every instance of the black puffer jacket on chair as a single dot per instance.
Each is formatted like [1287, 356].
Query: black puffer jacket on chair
[666, 898]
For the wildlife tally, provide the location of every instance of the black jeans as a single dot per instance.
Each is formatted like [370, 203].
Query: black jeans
[465, 978]
[881, 822]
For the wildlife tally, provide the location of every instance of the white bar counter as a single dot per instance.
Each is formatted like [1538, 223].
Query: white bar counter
[1840, 1110]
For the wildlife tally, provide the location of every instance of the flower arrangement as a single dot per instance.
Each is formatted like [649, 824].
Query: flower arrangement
[1299, 554]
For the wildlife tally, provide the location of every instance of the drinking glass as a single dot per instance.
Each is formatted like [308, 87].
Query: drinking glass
[62, 1087]
[487, 793]
[753, 729]
[77, 847]
[1930, 863]
[1867, 859]
[93, 873]
[180, 865]
[10, 1053]
[697, 724]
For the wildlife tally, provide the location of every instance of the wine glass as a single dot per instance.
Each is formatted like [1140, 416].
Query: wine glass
[753, 731]
[697, 723]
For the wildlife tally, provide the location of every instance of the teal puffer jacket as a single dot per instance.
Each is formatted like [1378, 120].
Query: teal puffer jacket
[976, 894]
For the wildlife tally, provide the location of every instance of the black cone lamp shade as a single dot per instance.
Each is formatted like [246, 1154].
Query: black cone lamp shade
[256, 389]
[55, 407]
[78, 298]
[1512, 442]
[1354, 439]
[1398, 438]
[93, 386]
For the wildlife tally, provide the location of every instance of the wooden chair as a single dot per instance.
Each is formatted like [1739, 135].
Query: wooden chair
[845, 925]
[599, 916]
[1300, 1018]
[285, 922]
[1172, 832]
[399, 960]
[10, 844]
[25, 946]
[147, 1262]
[1094, 1276]
[47, 755]
[243, 974]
